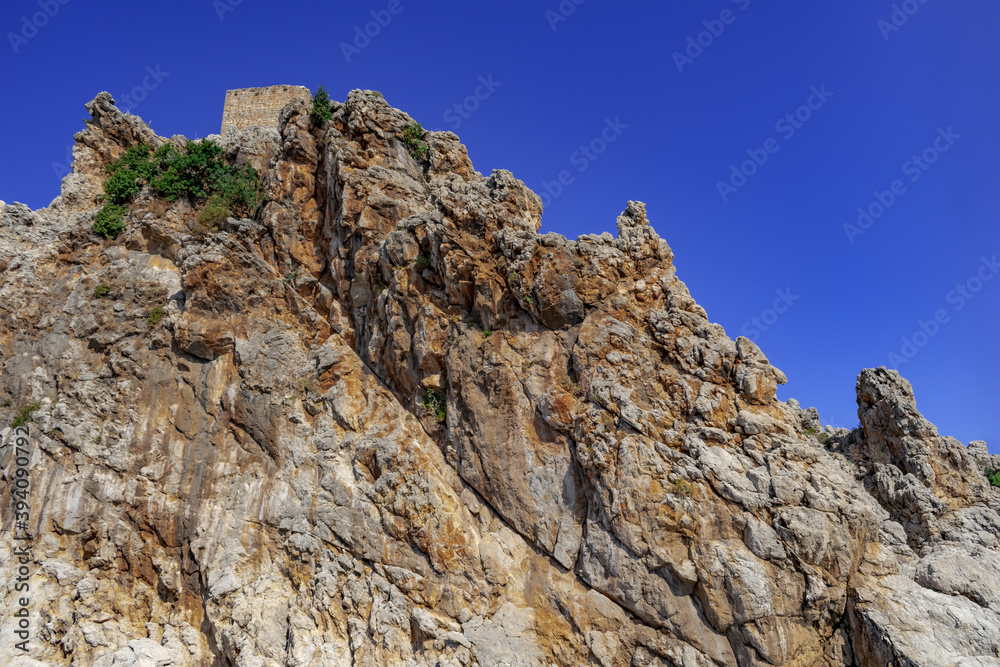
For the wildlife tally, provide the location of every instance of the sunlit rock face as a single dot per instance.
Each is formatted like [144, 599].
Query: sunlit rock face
[385, 422]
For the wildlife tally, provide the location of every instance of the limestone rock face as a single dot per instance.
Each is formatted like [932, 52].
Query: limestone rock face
[386, 422]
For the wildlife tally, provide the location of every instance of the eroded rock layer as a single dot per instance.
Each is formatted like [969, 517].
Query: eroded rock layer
[388, 423]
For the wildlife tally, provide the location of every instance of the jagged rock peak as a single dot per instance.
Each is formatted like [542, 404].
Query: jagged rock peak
[383, 421]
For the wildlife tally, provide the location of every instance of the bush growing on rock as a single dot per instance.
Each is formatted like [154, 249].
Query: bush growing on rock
[200, 171]
[240, 189]
[189, 173]
[437, 402]
[108, 222]
[197, 171]
[215, 211]
[322, 110]
[413, 138]
[122, 186]
[127, 174]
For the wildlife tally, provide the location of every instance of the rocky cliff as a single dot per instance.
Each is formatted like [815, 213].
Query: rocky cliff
[385, 422]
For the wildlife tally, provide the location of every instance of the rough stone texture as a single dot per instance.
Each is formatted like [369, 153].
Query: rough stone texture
[249, 107]
[261, 479]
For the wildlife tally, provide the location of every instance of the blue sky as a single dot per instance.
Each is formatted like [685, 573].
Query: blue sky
[754, 130]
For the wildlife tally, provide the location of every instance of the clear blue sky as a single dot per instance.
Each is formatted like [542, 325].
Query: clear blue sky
[880, 95]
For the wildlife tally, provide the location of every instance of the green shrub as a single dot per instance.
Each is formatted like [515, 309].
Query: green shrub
[487, 333]
[102, 291]
[292, 277]
[994, 476]
[413, 138]
[214, 211]
[108, 222]
[421, 263]
[322, 110]
[193, 173]
[24, 414]
[197, 171]
[240, 189]
[122, 186]
[127, 174]
[378, 94]
[436, 400]
[155, 317]
[136, 158]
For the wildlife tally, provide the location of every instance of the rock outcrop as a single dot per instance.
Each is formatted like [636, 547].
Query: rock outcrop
[386, 422]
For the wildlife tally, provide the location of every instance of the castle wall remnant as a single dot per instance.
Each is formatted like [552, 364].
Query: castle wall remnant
[247, 107]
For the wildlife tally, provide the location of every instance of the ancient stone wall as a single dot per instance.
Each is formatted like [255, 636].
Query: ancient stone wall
[258, 106]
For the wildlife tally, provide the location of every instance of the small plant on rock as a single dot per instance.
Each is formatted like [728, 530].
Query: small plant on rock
[213, 212]
[608, 420]
[102, 291]
[683, 487]
[155, 317]
[23, 415]
[413, 138]
[993, 475]
[437, 402]
[487, 333]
